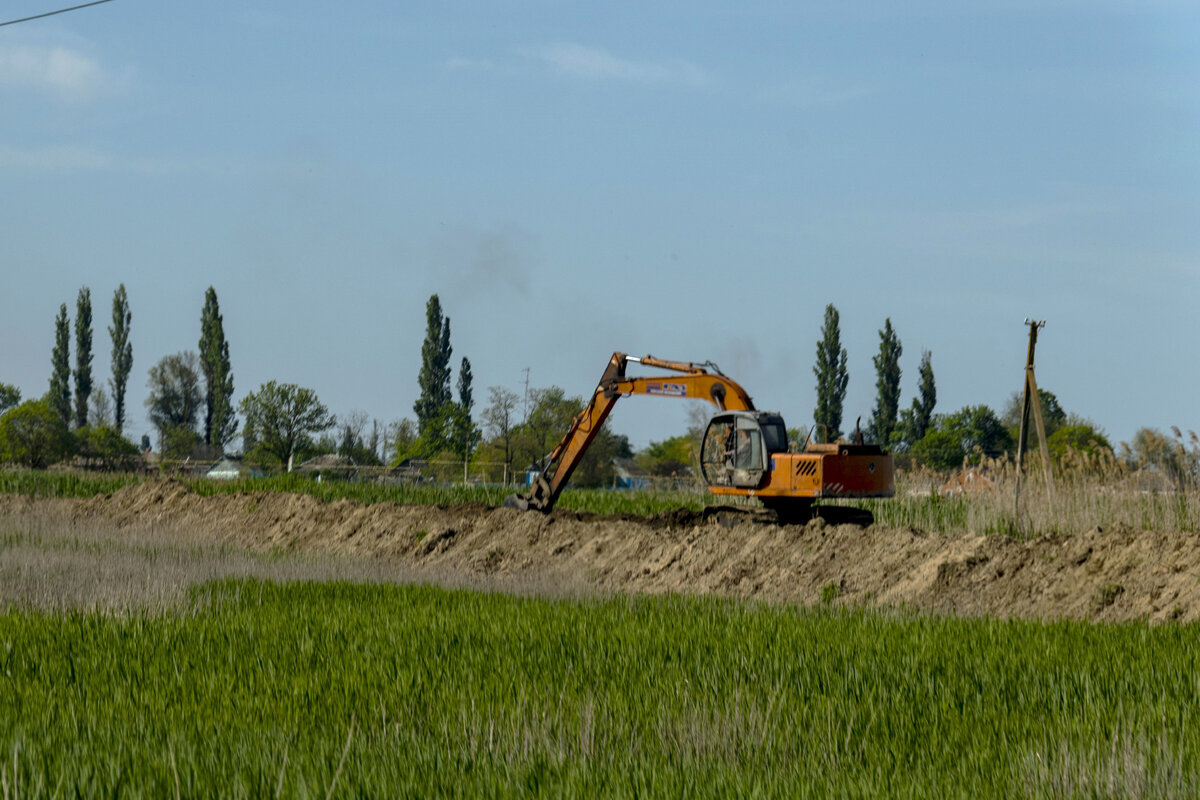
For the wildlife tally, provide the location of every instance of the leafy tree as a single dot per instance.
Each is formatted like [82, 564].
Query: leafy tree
[373, 442]
[10, 396]
[83, 355]
[465, 396]
[105, 445]
[434, 442]
[887, 385]
[351, 427]
[970, 433]
[122, 352]
[465, 436]
[913, 423]
[464, 432]
[669, 457]
[60, 373]
[926, 399]
[1053, 415]
[220, 424]
[306, 450]
[832, 376]
[399, 441]
[549, 420]
[281, 418]
[179, 442]
[174, 402]
[499, 420]
[902, 439]
[100, 413]
[351, 443]
[1082, 437]
[1172, 457]
[434, 376]
[34, 435]
[596, 467]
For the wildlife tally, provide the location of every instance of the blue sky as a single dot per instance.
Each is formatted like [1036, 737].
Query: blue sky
[691, 180]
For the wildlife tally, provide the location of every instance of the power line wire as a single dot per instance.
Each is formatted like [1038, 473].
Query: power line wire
[52, 13]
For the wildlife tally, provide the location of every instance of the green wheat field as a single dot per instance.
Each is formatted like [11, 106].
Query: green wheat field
[256, 689]
[140, 665]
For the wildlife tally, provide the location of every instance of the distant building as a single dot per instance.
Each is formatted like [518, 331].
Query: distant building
[330, 465]
[410, 470]
[629, 475]
[228, 469]
[531, 474]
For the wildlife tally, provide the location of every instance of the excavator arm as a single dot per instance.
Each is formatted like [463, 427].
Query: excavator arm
[693, 381]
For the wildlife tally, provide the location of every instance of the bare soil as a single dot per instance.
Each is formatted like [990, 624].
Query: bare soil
[1110, 574]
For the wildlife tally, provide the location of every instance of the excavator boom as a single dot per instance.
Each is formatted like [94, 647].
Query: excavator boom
[696, 381]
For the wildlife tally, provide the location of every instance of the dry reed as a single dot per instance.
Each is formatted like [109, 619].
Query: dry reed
[1085, 491]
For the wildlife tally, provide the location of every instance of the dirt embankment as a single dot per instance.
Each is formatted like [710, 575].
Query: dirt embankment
[1111, 574]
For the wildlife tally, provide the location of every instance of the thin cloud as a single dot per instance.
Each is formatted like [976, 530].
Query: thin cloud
[65, 73]
[596, 64]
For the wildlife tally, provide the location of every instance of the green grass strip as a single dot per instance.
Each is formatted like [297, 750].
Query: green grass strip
[600, 501]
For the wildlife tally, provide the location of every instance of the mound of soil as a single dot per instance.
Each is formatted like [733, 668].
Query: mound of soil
[1117, 574]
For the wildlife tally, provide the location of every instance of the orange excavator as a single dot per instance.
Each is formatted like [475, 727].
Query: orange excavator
[745, 452]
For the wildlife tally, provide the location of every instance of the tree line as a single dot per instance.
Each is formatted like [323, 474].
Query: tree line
[74, 417]
[191, 406]
[947, 441]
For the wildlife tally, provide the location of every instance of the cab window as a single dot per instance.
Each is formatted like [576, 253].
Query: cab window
[775, 437]
[747, 445]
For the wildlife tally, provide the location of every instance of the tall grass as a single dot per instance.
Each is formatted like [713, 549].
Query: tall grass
[311, 689]
[64, 483]
[50, 561]
[1084, 492]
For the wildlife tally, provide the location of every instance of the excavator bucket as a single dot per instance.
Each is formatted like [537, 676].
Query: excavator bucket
[534, 499]
[519, 502]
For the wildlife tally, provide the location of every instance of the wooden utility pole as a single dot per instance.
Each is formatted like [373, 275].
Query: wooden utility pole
[1031, 401]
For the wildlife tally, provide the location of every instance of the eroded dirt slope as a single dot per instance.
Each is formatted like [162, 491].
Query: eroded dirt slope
[1112, 574]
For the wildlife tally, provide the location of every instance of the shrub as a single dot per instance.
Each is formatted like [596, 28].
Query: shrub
[33, 435]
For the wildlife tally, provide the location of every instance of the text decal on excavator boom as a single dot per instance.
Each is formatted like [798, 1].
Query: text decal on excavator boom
[668, 389]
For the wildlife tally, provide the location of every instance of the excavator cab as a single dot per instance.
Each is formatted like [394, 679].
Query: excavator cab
[738, 446]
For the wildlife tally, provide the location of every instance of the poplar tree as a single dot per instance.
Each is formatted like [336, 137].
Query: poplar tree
[434, 377]
[83, 355]
[464, 386]
[923, 404]
[832, 376]
[122, 352]
[219, 421]
[464, 428]
[60, 367]
[10, 397]
[887, 384]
